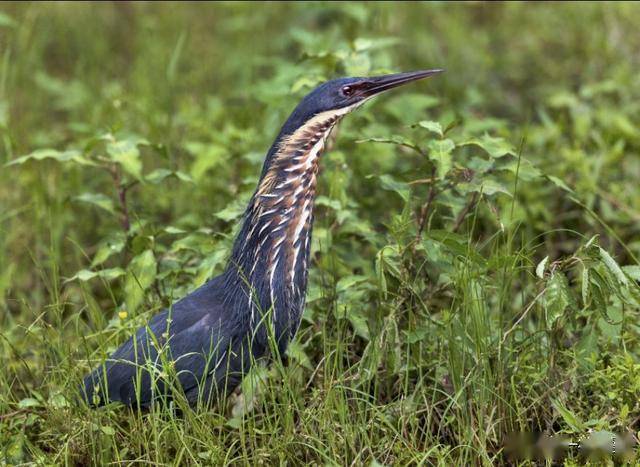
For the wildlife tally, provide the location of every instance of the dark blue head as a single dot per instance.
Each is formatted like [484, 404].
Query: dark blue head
[345, 94]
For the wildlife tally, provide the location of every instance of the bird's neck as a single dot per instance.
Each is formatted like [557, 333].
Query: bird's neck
[271, 253]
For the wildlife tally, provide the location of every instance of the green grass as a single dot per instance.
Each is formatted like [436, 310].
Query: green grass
[475, 260]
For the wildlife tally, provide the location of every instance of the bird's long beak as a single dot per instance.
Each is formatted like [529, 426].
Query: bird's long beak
[378, 84]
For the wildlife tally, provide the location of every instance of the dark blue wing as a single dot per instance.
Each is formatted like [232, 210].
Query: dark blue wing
[182, 345]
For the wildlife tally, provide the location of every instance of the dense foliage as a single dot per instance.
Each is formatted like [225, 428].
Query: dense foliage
[475, 259]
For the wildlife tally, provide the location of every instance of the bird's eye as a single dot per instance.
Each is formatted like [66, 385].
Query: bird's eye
[347, 90]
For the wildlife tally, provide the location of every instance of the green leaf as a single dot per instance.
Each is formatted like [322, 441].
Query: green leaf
[557, 298]
[487, 187]
[632, 271]
[28, 402]
[296, 352]
[491, 187]
[541, 267]
[71, 155]
[107, 430]
[58, 401]
[433, 127]
[587, 346]
[610, 324]
[585, 285]
[159, 175]
[358, 322]
[349, 281]
[613, 267]
[389, 183]
[387, 262]
[395, 139]
[171, 230]
[207, 156]
[85, 275]
[559, 183]
[125, 152]
[233, 211]
[569, 417]
[440, 152]
[108, 247]
[140, 275]
[495, 147]
[97, 199]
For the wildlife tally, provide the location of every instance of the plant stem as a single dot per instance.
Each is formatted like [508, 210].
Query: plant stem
[463, 214]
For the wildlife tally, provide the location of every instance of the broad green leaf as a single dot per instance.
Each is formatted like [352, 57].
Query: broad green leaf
[28, 402]
[387, 261]
[389, 183]
[58, 401]
[140, 275]
[432, 126]
[632, 271]
[525, 169]
[348, 282]
[569, 417]
[108, 247]
[610, 324]
[296, 352]
[97, 199]
[85, 275]
[587, 346]
[233, 211]
[495, 147]
[160, 175]
[333, 204]
[395, 139]
[207, 156]
[126, 153]
[559, 183]
[613, 267]
[71, 155]
[488, 187]
[358, 321]
[440, 152]
[491, 187]
[557, 298]
[107, 430]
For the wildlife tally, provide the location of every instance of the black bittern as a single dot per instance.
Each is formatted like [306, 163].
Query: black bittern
[206, 342]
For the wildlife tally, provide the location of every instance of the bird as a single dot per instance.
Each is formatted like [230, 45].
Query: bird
[203, 345]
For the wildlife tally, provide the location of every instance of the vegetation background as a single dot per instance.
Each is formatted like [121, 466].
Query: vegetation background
[475, 259]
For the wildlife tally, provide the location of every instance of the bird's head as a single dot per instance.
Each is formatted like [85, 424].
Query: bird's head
[343, 95]
[349, 93]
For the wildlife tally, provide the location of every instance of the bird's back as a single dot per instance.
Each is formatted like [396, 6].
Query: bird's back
[198, 344]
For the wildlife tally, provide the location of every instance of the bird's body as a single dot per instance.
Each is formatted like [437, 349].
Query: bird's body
[205, 343]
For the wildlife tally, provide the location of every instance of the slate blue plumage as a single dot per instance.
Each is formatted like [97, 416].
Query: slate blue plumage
[204, 343]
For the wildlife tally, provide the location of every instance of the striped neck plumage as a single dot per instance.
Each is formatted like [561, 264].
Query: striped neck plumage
[271, 253]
